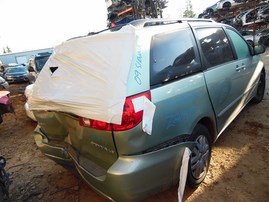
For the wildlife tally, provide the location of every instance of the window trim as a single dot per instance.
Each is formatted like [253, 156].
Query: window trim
[203, 60]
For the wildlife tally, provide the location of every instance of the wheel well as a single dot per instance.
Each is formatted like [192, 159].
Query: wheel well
[209, 124]
[209, 10]
[227, 5]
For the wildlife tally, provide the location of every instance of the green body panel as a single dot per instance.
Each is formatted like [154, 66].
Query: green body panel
[92, 144]
[130, 178]
[179, 107]
[230, 87]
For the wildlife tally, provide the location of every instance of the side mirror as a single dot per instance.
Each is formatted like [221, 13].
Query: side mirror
[259, 49]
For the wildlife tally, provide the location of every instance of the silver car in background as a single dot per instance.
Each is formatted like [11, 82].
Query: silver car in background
[3, 84]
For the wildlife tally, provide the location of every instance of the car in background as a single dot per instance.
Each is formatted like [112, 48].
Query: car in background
[5, 107]
[27, 94]
[222, 4]
[254, 15]
[264, 37]
[3, 84]
[252, 39]
[36, 64]
[263, 13]
[16, 74]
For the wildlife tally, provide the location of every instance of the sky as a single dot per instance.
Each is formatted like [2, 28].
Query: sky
[35, 24]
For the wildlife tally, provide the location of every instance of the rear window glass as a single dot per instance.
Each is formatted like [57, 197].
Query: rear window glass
[173, 55]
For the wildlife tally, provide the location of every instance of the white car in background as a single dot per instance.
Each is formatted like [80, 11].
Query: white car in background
[225, 4]
[222, 4]
[3, 84]
[27, 93]
[251, 36]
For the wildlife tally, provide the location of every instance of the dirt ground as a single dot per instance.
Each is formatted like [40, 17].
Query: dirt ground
[239, 169]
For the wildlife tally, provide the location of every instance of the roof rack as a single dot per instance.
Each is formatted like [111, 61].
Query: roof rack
[147, 23]
[163, 21]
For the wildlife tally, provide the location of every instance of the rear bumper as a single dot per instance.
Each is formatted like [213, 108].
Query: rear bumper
[130, 178]
[29, 113]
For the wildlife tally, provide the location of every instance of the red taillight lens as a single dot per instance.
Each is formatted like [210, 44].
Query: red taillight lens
[130, 118]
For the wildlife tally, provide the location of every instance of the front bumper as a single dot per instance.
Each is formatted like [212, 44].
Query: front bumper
[17, 79]
[130, 178]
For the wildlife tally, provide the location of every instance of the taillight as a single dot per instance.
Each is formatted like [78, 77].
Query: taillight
[130, 118]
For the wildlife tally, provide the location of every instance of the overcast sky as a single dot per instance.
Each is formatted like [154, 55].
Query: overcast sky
[36, 24]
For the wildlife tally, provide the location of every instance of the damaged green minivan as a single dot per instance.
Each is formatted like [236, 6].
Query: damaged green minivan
[122, 106]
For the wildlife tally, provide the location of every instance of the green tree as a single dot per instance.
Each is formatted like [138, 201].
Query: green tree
[188, 13]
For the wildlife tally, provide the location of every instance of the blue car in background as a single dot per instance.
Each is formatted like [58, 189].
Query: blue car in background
[16, 74]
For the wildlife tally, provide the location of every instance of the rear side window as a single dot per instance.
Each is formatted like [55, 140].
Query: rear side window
[215, 46]
[173, 55]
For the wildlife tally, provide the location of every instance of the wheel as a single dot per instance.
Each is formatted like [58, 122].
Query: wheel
[226, 5]
[266, 42]
[1, 194]
[209, 11]
[260, 89]
[200, 156]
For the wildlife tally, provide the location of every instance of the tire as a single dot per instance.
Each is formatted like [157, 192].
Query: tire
[260, 89]
[227, 5]
[200, 156]
[266, 43]
[209, 11]
[1, 194]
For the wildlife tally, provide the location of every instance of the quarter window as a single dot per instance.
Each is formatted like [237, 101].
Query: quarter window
[173, 56]
[215, 46]
[240, 45]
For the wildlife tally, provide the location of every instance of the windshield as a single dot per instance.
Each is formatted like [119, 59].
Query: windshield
[17, 70]
[40, 62]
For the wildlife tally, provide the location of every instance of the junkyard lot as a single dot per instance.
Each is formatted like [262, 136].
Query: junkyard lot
[238, 171]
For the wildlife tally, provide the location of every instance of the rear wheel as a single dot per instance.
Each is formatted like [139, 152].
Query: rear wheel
[200, 156]
[260, 90]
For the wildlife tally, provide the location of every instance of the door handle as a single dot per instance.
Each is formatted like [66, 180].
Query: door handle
[243, 66]
[239, 68]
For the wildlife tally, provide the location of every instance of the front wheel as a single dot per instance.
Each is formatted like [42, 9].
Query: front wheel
[260, 89]
[200, 156]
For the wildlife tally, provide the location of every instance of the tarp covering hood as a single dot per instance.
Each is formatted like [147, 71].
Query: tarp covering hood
[87, 76]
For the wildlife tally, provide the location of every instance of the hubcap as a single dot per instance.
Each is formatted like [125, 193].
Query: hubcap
[200, 157]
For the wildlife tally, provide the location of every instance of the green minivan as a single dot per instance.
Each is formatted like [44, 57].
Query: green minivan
[122, 106]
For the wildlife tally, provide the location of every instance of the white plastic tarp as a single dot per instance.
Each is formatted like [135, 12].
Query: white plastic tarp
[183, 173]
[90, 76]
